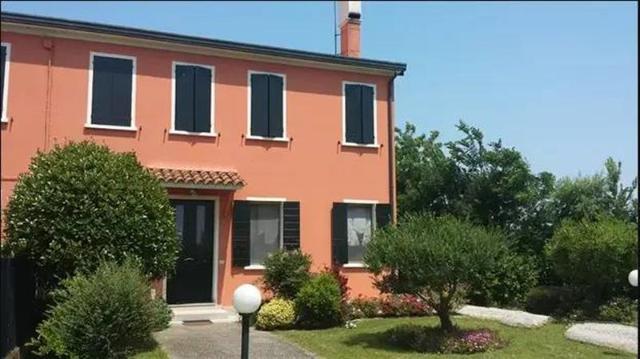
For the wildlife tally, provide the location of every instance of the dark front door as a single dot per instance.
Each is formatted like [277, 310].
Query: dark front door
[192, 281]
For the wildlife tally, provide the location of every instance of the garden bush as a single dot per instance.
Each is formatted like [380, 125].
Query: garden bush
[620, 310]
[552, 300]
[82, 203]
[318, 303]
[277, 314]
[434, 258]
[596, 256]
[161, 315]
[286, 272]
[394, 305]
[107, 314]
[507, 283]
[426, 339]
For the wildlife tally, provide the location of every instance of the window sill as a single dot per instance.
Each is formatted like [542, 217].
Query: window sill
[349, 144]
[254, 267]
[260, 138]
[4, 120]
[354, 265]
[109, 127]
[199, 134]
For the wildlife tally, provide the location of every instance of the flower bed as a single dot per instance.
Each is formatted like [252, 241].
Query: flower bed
[433, 340]
[389, 306]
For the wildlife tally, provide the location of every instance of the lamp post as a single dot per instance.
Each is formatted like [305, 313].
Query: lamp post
[246, 300]
[633, 277]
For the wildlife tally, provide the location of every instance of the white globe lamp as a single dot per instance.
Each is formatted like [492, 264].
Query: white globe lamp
[633, 278]
[246, 300]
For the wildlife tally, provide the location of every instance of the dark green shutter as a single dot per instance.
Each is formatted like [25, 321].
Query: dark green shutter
[3, 58]
[367, 114]
[121, 92]
[259, 105]
[275, 106]
[184, 80]
[202, 99]
[353, 114]
[383, 214]
[339, 240]
[241, 234]
[291, 225]
[101, 91]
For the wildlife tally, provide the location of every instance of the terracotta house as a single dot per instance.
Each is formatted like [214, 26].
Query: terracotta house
[259, 147]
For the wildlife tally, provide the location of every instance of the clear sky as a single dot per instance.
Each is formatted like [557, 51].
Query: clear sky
[558, 81]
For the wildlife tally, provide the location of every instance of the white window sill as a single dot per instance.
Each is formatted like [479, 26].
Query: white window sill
[187, 133]
[260, 138]
[349, 144]
[109, 127]
[4, 120]
[354, 265]
[254, 267]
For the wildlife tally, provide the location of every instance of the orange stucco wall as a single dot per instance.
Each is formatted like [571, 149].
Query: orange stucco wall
[48, 105]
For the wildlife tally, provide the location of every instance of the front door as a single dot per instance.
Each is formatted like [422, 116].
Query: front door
[192, 281]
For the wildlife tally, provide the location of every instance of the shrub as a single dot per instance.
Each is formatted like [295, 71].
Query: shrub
[362, 307]
[82, 203]
[102, 315]
[620, 310]
[431, 257]
[556, 301]
[161, 315]
[277, 314]
[404, 305]
[434, 340]
[286, 272]
[318, 303]
[506, 283]
[596, 256]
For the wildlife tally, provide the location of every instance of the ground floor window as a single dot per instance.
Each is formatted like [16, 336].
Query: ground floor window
[264, 230]
[360, 224]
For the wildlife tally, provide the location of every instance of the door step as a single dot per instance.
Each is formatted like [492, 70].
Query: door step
[201, 314]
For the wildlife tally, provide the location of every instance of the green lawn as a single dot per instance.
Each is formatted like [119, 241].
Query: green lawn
[150, 350]
[367, 341]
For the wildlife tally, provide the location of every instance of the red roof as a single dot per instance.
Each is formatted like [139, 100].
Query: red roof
[198, 177]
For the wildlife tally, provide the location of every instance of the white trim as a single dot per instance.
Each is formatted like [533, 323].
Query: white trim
[172, 130]
[255, 267]
[200, 186]
[284, 107]
[360, 201]
[344, 142]
[354, 265]
[216, 243]
[5, 85]
[266, 199]
[132, 125]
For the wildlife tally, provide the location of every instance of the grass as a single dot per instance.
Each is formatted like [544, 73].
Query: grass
[368, 341]
[150, 350]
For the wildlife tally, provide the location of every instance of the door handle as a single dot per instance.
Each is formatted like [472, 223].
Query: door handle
[189, 259]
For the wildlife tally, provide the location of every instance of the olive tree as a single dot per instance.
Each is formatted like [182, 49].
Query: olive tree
[434, 258]
[82, 203]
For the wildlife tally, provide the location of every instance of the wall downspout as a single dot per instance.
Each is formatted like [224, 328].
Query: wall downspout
[48, 45]
[392, 149]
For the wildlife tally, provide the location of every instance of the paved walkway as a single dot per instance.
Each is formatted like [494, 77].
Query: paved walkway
[514, 318]
[222, 340]
[617, 336]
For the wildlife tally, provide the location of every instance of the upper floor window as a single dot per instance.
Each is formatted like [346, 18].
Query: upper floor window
[192, 99]
[359, 124]
[112, 89]
[267, 118]
[5, 52]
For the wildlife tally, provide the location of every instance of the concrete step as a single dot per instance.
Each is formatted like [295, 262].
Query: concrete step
[203, 313]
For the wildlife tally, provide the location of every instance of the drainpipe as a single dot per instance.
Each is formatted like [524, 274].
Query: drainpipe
[392, 148]
[48, 45]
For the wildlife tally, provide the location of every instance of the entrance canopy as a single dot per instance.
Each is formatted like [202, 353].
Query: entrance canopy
[204, 179]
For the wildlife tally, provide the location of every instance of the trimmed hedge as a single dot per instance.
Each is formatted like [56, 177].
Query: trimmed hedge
[318, 303]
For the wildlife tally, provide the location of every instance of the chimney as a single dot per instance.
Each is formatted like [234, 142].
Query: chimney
[349, 20]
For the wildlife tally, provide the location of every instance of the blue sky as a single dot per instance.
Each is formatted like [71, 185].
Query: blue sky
[558, 81]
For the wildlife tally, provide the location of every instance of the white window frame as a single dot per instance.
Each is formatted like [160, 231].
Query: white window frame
[278, 200]
[5, 86]
[134, 75]
[249, 136]
[344, 142]
[172, 130]
[373, 204]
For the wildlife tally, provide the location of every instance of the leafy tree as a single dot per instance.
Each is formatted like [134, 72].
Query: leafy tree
[83, 203]
[434, 258]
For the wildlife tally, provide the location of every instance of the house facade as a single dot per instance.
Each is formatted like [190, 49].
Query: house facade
[260, 148]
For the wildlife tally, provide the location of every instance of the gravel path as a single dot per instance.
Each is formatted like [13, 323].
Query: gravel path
[514, 318]
[615, 336]
[222, 340]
